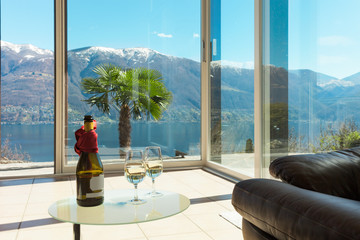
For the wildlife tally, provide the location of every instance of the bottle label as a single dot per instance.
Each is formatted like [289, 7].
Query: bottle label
[96, 186]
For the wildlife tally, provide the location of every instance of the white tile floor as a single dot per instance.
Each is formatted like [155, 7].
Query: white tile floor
[24, 204]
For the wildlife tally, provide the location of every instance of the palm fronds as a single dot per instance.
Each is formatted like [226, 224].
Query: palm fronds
[142, 89]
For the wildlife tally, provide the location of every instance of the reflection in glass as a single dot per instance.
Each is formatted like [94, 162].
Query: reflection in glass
[310, 68]
[154, 213]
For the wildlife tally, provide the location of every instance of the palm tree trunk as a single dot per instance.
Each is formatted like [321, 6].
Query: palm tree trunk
[124, 127]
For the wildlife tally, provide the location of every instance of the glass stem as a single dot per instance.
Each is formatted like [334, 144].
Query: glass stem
[136, 193]
[153, 185]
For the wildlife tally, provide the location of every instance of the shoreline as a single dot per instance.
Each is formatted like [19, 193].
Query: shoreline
[21, 165]
[7, 161]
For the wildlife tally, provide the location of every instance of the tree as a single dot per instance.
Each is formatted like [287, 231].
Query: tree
[346, 136]
[136, 93]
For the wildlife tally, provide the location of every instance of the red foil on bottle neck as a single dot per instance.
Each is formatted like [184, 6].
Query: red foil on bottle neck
[86, 141]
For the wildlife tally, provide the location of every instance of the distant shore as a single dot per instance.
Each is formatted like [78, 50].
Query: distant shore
[7, 161]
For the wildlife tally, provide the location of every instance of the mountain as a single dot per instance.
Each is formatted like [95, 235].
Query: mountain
[181, 76]
[26, 69]
[319, 77]
[355, 78]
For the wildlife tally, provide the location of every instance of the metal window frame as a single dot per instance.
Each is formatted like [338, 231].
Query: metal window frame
[60, 48]
[259, 170]
[60, 97]
[60, 80]
[258, 90]
[60, 51]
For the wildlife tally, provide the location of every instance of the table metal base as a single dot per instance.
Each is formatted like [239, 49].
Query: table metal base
[76, 231]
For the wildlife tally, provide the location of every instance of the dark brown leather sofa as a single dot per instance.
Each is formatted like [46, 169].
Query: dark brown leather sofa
[318, 197]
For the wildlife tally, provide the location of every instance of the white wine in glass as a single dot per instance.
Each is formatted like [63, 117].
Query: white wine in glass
[135, 172]
[154, 166]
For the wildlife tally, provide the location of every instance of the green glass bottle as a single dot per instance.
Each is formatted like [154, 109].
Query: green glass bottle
[89, 170]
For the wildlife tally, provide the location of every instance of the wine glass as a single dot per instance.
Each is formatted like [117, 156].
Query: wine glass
[135, 172]
[154, 166]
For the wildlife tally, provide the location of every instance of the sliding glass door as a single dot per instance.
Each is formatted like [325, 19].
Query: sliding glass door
[275, 77]
[310, 77]
[232, 84]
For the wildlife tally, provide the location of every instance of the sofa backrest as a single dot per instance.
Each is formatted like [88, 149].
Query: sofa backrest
[336, 173]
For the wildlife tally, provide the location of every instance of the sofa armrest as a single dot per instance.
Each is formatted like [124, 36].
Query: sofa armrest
[288, 212]
[336, 173]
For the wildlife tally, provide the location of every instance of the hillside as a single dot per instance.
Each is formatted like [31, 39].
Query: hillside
[27, 85]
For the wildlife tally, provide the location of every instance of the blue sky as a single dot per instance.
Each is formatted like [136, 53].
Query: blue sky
[322, 34]
[171, 27]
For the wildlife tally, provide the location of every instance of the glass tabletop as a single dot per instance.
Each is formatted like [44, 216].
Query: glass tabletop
[117, 210]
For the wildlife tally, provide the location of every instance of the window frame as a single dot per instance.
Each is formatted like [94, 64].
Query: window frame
[60, 52]
[60, 97]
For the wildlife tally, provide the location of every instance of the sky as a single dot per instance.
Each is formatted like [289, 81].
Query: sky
[322, 33]
[324, 36]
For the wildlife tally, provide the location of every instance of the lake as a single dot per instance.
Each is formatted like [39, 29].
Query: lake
[38, 140]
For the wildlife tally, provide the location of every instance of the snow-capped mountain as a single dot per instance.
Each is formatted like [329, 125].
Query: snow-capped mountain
[336, 83]
[25, 50]
[140, 54]
[26, 69]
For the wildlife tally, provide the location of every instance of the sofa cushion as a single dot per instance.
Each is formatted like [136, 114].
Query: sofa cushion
[288, 212]
[250, 231]
[336, 173]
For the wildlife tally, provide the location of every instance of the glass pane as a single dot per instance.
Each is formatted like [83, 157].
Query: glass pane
[275, 79]
[317, 107]
[232, 84]
[129, 35]
[27, 87]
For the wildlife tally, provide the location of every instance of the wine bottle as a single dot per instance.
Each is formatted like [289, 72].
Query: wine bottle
[89, 170]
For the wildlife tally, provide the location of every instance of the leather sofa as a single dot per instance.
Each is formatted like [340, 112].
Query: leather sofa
[318, 197]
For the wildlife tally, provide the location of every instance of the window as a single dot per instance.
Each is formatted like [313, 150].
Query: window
[310, 77]
[27, 86]
[232, 84]
[305, 72]
[153, 35]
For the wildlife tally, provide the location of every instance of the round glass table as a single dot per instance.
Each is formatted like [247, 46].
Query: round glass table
[117, 209]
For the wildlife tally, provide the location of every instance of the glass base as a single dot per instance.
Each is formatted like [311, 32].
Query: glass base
[137, 202]
[154, 194]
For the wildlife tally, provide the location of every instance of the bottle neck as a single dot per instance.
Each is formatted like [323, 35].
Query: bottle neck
[88, 126]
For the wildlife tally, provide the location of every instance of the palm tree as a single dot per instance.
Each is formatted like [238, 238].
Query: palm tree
[136, 93]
